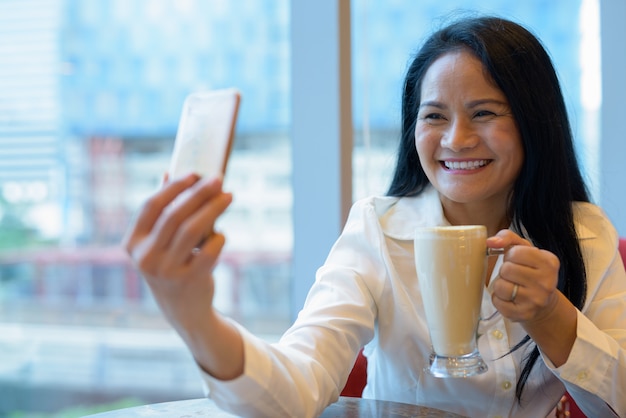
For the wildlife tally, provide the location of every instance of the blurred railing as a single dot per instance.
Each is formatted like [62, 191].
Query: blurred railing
[80, 325]
[61, 282]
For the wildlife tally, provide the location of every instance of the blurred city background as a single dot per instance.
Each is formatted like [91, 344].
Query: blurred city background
[90, 96]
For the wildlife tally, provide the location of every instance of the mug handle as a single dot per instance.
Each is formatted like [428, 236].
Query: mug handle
[494, 251]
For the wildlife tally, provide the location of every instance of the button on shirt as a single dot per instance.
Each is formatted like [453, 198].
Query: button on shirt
[367, 293]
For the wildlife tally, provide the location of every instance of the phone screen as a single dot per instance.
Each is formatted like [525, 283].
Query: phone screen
[205, 133]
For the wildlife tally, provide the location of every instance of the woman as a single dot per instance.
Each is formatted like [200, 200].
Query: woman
[485, 140]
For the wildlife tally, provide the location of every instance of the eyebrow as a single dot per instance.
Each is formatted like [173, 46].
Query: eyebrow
[472, 104]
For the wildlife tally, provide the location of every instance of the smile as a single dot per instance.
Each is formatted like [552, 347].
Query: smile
[465, 165]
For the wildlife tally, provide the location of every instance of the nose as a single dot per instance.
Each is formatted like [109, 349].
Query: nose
[459, 136]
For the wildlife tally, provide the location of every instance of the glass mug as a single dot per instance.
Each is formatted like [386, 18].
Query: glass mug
[451, 262]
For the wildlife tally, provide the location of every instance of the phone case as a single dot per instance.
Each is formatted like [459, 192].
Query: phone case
[205, 133]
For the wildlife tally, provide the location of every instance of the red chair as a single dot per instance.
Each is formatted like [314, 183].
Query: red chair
[358, 376]
[357, 379]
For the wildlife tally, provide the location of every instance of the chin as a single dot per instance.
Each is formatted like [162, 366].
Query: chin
[460, 196]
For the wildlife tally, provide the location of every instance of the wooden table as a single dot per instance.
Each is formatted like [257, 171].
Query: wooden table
[345, 407]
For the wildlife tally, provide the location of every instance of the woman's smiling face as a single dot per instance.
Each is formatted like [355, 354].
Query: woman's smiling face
[466, 137]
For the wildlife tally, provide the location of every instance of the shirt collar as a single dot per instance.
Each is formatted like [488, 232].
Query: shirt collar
[400, 216]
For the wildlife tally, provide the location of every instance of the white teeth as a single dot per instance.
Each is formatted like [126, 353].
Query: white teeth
[464, 165]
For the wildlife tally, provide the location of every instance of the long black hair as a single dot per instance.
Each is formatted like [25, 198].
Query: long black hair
[550, 178]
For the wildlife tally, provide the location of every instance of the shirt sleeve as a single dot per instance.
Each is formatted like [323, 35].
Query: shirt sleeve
[305, 371]
[595, 372]
[244, 395]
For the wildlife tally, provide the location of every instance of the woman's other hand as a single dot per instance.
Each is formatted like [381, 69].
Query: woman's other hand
[526, 288]
[526, 292]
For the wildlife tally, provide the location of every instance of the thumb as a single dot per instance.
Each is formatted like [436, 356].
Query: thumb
[506, 238]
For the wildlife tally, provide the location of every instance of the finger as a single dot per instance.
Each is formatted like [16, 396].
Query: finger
[533, 258]
[520, 260]
[524, 264]
[526, 274]
[198, 229]
[506, 238]
[155, 250]
[506, 290]
[176, 215]
[205, 257]
[152, 209]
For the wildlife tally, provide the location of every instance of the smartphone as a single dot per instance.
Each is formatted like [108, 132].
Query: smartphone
[205, 133]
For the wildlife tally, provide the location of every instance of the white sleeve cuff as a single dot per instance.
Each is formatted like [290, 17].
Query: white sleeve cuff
[251, 384]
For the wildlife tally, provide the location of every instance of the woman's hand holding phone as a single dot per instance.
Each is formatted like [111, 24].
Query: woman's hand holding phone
[173, 243]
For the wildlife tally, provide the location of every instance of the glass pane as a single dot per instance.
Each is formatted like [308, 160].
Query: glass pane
[90, 97]
[386, 34]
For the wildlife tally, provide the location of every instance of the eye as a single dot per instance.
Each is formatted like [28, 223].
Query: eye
[484, 114]
[432, 118]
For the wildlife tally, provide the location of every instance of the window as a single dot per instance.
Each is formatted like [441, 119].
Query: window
[90, 98]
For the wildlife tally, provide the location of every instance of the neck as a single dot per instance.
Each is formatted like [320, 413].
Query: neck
[495, 218]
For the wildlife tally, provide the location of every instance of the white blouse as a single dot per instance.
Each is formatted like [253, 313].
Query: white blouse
[367, 294]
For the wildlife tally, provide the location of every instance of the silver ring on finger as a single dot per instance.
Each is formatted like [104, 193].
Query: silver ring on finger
[196, 250]
[514, 293]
